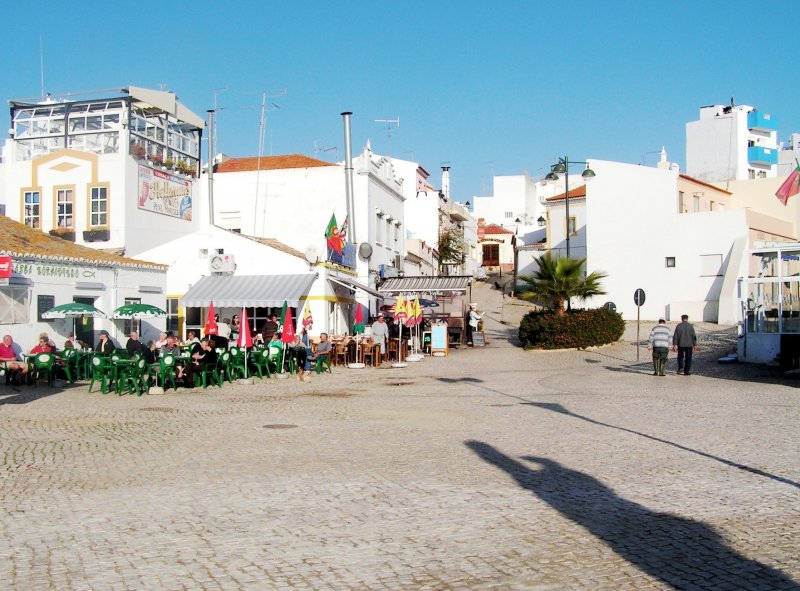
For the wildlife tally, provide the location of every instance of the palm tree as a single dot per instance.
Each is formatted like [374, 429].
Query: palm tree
[560, 279]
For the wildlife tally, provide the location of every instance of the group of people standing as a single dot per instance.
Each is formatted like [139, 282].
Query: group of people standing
[684, 341]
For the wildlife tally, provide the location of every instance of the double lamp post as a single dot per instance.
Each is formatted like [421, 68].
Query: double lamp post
[562, 167]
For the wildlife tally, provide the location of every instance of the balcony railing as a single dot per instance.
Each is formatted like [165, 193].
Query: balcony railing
[761, 155]
[761, 121]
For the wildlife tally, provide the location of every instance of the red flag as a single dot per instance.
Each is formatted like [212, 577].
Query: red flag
[287, 336]
[211, 322]
[790, 187]
[245, 339]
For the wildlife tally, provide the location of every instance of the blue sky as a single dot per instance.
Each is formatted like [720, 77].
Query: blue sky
[488, 87]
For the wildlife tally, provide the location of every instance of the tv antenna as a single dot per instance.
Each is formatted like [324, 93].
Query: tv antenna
[213, 131]
[318, 149]
[388, 123]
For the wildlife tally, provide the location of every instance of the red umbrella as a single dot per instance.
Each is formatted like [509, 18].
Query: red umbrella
[211, 323]
[245, 340]
[287, 336]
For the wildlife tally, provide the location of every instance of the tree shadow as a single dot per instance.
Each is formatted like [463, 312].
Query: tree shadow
[555, 407]
[681, 552]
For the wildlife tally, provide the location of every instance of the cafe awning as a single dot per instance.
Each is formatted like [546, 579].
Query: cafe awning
[426, 284]
[254, 291]
[352, 284]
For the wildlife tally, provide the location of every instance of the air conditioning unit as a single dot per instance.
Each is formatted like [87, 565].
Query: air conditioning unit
[222, 263]
[387, 271]
[398, 262]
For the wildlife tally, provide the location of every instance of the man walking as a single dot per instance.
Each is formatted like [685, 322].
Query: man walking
[659, 344]
[684, 340]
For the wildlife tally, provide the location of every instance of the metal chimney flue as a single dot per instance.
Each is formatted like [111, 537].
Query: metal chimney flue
[348, 178]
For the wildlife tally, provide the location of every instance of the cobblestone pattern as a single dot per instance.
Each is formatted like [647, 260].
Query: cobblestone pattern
[491, 469]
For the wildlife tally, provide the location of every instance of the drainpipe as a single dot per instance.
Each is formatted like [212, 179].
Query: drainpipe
[211, 167]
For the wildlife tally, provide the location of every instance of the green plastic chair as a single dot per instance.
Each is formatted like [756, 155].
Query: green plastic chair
[237, 368]
[132, 378]
[44, 366]
[323, 364]
[212, 373]
[259, 361]
[166, 372]
[101, 372]
[71, 364]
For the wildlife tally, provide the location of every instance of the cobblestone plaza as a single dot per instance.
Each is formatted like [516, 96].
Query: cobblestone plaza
[492, 468]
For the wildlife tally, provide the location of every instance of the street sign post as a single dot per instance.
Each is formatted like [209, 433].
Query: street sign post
[638, 299]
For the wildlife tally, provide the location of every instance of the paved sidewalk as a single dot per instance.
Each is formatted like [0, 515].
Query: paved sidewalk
[491, 468]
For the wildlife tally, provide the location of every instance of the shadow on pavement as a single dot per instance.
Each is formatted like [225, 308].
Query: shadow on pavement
[554, 407]
[681, 552]
[28, 393]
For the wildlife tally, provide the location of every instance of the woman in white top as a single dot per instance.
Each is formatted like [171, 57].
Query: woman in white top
[472, 322]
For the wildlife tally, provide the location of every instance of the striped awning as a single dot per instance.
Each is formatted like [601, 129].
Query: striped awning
[426, 284]
[259, 291]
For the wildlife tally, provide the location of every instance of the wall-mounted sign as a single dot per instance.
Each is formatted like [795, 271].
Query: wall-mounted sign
[31, 270]
[164, 193]
[6, 267]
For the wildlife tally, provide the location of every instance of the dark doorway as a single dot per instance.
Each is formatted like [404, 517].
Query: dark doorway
[84, 326]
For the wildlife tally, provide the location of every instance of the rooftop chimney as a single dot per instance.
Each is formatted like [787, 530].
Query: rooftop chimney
[446, 182]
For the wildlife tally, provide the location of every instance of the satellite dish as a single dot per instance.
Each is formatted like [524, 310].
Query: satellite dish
[312, 254]
[365, 250]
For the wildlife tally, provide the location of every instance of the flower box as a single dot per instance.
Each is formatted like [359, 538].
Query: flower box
[63, 233]
[97, 235]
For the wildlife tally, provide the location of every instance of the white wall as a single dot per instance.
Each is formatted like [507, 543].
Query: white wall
[633, 225]
[113, 285]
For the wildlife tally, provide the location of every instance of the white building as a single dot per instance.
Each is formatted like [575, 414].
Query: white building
[789, 155]
[731, 143]
[633, 223]
[49, 271]
[115, 172]
[514, 203]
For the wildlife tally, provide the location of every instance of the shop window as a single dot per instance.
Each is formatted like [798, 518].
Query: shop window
[173, 319]
[15, 305]
[131, 324]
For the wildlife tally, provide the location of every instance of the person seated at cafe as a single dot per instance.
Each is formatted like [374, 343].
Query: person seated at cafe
[191, 338]
[298, 352]
[161, 340]
[43, 346]
[105, 345]
[206, 356]
[134, 346]
[73, 343]
[10, 352]
[275, 344]
[171, 347]
[323, 349]
[149, 353]
[236, 327]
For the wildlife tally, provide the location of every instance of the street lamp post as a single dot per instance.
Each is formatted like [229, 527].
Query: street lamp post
[562, 167]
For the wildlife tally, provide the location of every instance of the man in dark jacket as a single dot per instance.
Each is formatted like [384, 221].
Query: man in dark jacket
[134, 346]
[684, 341]
[104, 345]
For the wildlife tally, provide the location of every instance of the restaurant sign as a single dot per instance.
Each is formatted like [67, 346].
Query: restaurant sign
[6, 267]
[165, 193]
[32, 270]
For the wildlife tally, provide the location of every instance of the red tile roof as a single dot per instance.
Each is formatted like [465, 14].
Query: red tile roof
[22, 241]
[495, 229]
[579, 192]
[269, 163]
[705, 184]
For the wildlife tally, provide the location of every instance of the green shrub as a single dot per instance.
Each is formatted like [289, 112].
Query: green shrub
[578, 329]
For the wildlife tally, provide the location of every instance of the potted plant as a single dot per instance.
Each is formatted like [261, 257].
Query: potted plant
[169, 162]
[138, 151]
